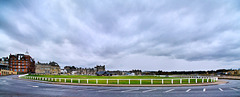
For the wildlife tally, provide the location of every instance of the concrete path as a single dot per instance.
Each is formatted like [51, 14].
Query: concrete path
[132, 85]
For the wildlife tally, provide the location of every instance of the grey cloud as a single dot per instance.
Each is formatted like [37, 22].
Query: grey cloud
[92, 32]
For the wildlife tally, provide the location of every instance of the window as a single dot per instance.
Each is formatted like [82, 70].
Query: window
[26, 67]
[18, 69]
[19, 64]
[15, 69]
[22, 66]
[22, 69]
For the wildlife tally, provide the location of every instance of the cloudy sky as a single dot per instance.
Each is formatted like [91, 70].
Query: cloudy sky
[124, 34]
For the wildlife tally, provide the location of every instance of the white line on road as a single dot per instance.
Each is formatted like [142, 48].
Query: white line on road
[220, 89]
[169, 90]
[35, 86]
[129, 90]
[234, 89]
[106, 90]
[188, 90]
[204, 90]
[149, 90]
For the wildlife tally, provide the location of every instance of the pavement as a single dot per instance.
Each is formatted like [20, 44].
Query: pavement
[10, 87]
[230, 77]
[131, 85]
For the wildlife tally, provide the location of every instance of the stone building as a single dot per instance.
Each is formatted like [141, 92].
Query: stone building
[51, 68]
[100, 68]
[22, 63]
[84, 71]
[69, 69]
[136, 72]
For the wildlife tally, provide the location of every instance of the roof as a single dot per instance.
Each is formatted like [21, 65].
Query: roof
[102, 72]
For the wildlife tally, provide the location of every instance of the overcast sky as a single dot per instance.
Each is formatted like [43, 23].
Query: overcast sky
[124, 34]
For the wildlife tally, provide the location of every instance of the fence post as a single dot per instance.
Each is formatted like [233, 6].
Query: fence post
[196, 80]
[96, 81]
[87, 81]
[151, 81]
[129, 81]
[117, 81]
[59, 79]
[211, 79]
[202, 80]
[65, 80]
[207, 80]
[172, 81]
[189, 80]
[180, 81]
[140, 81]
[55, 79]
[71, 80]
[107, 81]
[162, 81]
[52, 79]
[78, 80]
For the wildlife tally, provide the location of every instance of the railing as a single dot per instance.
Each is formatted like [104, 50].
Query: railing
[127, 81]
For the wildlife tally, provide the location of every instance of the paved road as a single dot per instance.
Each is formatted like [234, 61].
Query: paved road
[14, 87]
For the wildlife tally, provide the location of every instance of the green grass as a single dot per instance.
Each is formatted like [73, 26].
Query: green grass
[102, 77]
[113, 79]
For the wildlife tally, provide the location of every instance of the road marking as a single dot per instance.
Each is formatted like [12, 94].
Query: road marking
[169, 90]
[220, 89]
[234, 89]
[106, 90]
[188, 90]
[149, 90]
[204, 90]
[129, 90]
[35, 86]
[81, 90]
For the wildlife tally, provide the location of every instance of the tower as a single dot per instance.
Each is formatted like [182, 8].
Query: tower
[27, 53]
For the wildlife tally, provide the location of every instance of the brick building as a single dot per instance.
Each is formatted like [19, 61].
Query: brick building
[21, 63]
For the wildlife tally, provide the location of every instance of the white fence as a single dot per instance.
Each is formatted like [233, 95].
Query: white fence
[128, 81]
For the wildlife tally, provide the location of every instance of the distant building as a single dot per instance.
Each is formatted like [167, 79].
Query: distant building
[136, 72]
[4, 61]
[118, 72]
[100, 68]
[84, 71]
[51, 68]
[103, 73]
[4, 67]
[69, 69]
[21, 63]
[63, 71]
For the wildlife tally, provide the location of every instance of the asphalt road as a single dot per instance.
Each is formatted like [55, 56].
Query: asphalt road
[13, 87]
